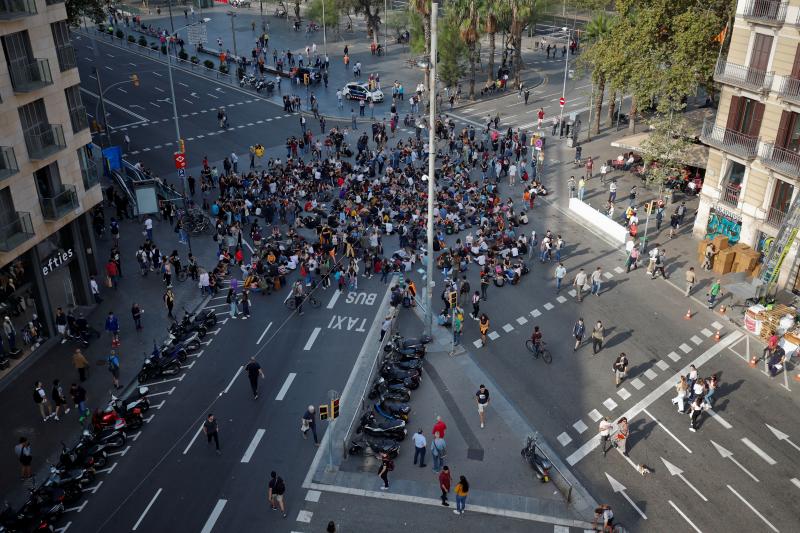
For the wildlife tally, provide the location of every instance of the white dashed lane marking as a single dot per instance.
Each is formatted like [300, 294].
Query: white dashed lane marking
[579, 426]
[548, 306]
[697, 340]
[649, 374]
[674, 356]
[595, 415]
[560, 299]
[535, 313]
[508, 328]
[610, 404]
[564, 439]
[685, 348]
[522, 321]
[706, 332]
[662, 365]
[493, 335]
[637, 383]
[624, 394]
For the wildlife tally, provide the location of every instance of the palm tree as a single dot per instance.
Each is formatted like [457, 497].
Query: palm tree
[522, 13]
[468, 30]
[596, 31]
[423, 9]
[491, 26]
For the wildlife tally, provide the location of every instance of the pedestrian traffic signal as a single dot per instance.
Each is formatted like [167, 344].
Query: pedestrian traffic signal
[335, 409]
[452, 296]
[181, 146]
[323, 412]
[135, 80]
[651, 207]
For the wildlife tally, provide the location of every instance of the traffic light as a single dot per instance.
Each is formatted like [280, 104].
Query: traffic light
[452, 296]
[306, 79]
[181, 146]
[335, 409]
[650, 207]
[323, 412]
[135, 80]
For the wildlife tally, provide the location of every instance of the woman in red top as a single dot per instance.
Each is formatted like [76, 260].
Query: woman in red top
[439, 427]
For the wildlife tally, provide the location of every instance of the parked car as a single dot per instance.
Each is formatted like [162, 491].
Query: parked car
[361, 91]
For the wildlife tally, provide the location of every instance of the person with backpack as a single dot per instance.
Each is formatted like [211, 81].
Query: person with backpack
[112, 326]
[113, 367]
[387, 465]
[275, 492]
[40, 399]
[57, 395]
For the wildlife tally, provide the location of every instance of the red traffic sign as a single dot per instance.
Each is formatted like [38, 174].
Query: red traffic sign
[561, 101]
[180, 160]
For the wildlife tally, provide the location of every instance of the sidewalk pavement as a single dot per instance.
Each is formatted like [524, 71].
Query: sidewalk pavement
[21, 416]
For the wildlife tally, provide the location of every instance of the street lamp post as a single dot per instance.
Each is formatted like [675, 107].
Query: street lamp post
[385, 26]
[232, 15]
[566, 67]
[102, 105]
[431, 167]
[324, 33]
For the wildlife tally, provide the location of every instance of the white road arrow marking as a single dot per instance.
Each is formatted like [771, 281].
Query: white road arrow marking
[616, 486]
[79, 508]
[747, 503]
[93, 490]
[727, 454]
[675, 471]
[780, 435]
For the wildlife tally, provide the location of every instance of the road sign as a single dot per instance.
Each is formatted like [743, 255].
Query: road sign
[180, 160]
[181, 172]
[561, 101]
[197, 34]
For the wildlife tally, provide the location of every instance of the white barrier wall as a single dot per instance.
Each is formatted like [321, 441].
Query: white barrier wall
[599, 221]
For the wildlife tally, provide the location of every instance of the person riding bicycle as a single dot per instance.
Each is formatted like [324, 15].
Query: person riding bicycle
[175, 259]
[605, 516]
[297, 293]
[536, 338]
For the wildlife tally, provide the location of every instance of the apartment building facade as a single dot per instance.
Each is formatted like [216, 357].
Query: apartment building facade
[48, 179]
[753, 167]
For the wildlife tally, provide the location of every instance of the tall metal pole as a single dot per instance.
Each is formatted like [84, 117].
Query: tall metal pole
[102, 106]
[591, 108]
[564, 87]
[233, 34]
[431, 165]
[171, 22]
[385, 26]
[175, 117]
[324, 32]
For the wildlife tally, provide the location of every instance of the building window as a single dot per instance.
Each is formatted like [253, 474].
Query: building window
[41, 138]
[781, 198]
[88, 167]
[77, 113]
[27, 73]
[52, 2]
[64, 50]
[732, 184]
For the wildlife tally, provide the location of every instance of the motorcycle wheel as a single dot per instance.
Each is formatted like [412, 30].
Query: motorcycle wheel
[182, 356]
[213, 321]
[136, 423]
[71, 494]
[119, 442]
[172, 369]
[143, 376]
[193, 346]
[100, 461]
[201, 331]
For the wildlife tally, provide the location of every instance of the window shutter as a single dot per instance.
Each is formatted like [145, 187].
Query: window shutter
[758, 115]
[796, 66]
[734, 113]
[781, 140]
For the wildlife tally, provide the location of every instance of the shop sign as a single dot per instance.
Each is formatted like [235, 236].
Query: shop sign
[56, 260]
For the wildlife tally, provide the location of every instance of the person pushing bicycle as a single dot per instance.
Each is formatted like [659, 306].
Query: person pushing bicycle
[604, 516]
[536, 338]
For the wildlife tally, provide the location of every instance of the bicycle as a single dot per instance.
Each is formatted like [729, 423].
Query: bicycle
[543, 351]
[310, 300]
[615, 528]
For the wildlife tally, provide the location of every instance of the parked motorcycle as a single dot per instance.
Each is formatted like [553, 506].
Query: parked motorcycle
[71, 480]
[411, 342]
[83, 454]
[391, 371]
[138, 398]
[38, 513]
[170, 350]
[110, 417]
[158, 366]
[405, 364]
[189, 339]
[111, 437]
[536, 459]
[381, 427]
[374, 446]
[393, 391]
[392, 410]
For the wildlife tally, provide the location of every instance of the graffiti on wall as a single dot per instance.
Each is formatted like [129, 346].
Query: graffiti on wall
[723, 222]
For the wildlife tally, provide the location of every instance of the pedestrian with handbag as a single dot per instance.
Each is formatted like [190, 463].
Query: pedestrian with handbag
[598, 336]
[622, 435]
[620, 368]
[438, 451]
[483, 325]
[578, 331]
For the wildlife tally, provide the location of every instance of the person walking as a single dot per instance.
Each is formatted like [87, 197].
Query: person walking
[40, 399]
[230, 299]
[696, 409]
[112, 326]
[387, 465]
[589, 167]
[444, 484]
[254, 371]
[605, 432]
[597, 281]
[458, 325]
[560, 273]
[483, 326]
[578, 331]
[308, 422]
[420, 446]
[598, 335]
[386, 325]
[113, 368]
[95, 289]
[57, 395]
[136, 313]
[78, 395]
[482, 398]
[211, 430]
[621, 437]
[579, 283]
[23, 452]
[439, 426]
[462, 491]
[245, 304]
[691, 279]
[80, 363]
[714, 292]
[476, 305]
[438, 451]
[169, 302]
[275, 492]
[620, 368]
[484, 285]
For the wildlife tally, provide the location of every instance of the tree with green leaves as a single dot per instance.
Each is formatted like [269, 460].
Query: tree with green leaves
[664, 150]
[494, 17]
[421, 14]
[468, 19]
[598, 28]
[371, 9]
[332, 13]
[452, 49]
[91, 9]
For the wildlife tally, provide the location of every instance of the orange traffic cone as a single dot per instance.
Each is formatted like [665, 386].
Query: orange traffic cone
[753, 362]
[716, 337]
[688, 315]
[722, 310]
[797, 377]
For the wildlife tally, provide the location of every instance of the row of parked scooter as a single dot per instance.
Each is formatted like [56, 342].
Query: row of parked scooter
[383, 426]
[78, 464]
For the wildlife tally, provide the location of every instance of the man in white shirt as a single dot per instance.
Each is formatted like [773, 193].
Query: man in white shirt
[561, 271]
[148, 228]
[235, 162]
[95, 288]
[512, 174]
[420, 445]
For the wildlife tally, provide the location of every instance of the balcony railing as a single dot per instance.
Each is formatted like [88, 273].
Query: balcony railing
[750, 79]
[90, 175]
[730, 194]
[49, 140]
[59, 205]
[789, 89]
[775, 217]
[765, 11]
[79, 119]
[729, 141]
[12, 9]
[66, 57]
[30, 77]
[780, 159]
[18, 230]
[8, 162]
